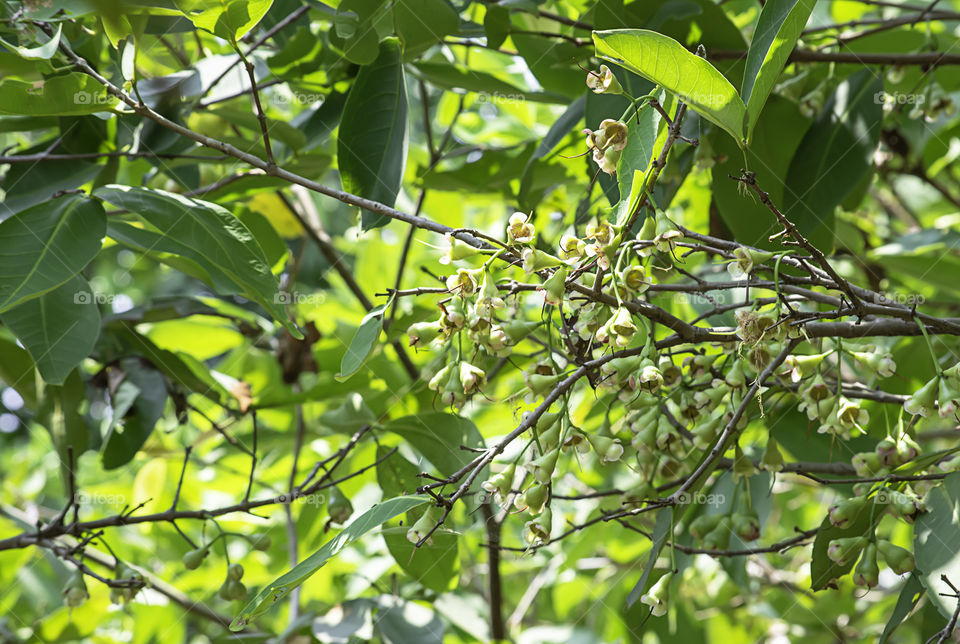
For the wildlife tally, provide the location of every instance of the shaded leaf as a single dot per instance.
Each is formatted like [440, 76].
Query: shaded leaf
[778, 28]
[58, 328]
[372, 143]
[44, 246]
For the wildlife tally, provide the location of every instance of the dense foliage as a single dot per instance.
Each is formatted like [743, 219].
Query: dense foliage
[452, 320]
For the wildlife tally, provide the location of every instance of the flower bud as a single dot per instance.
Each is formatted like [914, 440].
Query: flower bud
[423, 526]
[949, 398]
[471, 378]
[667, 233]
[75, 592]
[544, 466]
[261, 543]
[746, 526]
[772, 460]
[844, 549]
[899, 559]
[881, 364]
[535, 260]
[424, 332]
[743, 467]
[339, 507]
[193, 559]
[704, 524]
[923, 401]
[235, 571]
[845, 512]
[501, 484]
[608, 449]
[867, 464]
[456, 250]
[537, 531]
[555, 287]
[533, 499]
[867, 571]
[719, 537]
[658, 596]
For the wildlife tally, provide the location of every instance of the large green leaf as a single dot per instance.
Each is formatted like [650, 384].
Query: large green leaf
[207, 234]
[40, 52]
[666, 62]
[44, 246]
[438, 436]
[422, 23]
[435, 565]
[778, 134]
[936, 535]
[278, 589]
[364, 341]
[141, 403]
[779, 27]
[229, 19]
[55, 96]
[372, 143]
[58, 328]
[834, 155]
[910, 594]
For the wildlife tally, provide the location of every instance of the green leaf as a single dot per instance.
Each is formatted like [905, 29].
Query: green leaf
[436, 566]
[779, 27]
[834, 155]
[395, 474]
[44, 246]
[64, 95]
[823, 571]
[399, 621]
[372, 143]
[59, 412]
[58, 328]
[207, 234]
[496, 24]
[661, 530]
[557, 132]
[229, 19]
[348, 417]
[636, 160]
[17, 369]
[364, 341]
[41, 52]
[123, 441]
[909, 596]
[438, 436]
[423, 23]
[666, 62]
[936, 534]
[778, 134]
[278, 589]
